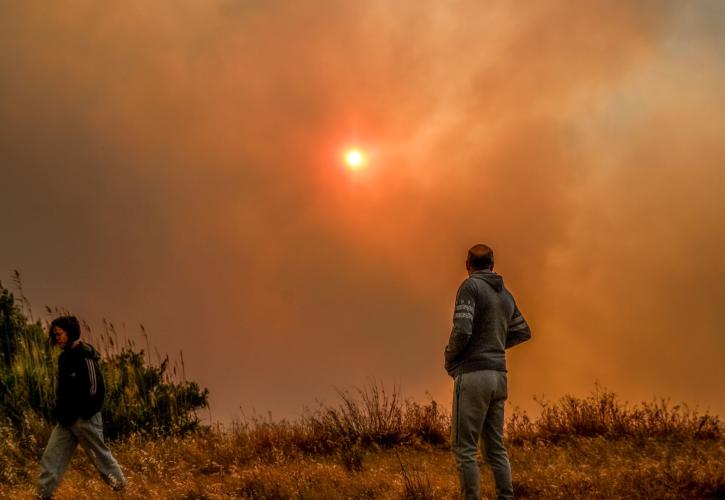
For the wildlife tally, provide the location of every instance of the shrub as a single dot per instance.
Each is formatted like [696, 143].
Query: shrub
[603, 414]
[140, 397]
[372, 415]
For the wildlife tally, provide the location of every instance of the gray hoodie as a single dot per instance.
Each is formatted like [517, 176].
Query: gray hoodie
[486, 322]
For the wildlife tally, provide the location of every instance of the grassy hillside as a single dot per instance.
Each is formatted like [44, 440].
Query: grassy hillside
[372, 444]
[375, 445]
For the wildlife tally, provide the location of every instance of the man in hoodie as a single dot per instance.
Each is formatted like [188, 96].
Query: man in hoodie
[486, 322]
[79, 398]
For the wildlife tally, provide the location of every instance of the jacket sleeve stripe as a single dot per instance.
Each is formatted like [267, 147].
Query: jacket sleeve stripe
[91, 375]
[519, 328]
[518, 320]
[463, 315]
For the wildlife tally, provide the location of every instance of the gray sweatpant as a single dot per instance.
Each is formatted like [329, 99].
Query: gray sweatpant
[478, 404]
[63, 441]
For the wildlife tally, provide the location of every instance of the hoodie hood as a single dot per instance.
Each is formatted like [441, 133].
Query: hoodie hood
[493, 279]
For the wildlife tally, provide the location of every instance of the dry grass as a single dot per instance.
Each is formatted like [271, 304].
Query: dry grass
[602, 414]
[372, 444]
[204, 467]
[369, 447]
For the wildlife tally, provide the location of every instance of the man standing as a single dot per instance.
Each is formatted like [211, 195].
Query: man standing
[78, 411]
[486, 322]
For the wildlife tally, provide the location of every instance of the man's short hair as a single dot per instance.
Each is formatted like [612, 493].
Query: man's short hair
[480, 257]
[69, 324]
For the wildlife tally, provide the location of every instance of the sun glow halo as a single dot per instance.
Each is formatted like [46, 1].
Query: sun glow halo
[354, 159]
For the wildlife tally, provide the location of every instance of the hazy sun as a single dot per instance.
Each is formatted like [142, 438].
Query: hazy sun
[354, 159]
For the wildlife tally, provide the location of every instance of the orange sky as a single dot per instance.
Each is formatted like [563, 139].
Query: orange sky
[177, 164]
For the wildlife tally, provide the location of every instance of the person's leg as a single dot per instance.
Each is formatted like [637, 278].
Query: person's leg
[90, 435]
[470, 404]
[54, 462]
[492, 437]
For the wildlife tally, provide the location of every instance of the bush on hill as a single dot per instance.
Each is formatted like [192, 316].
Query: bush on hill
[140, 396]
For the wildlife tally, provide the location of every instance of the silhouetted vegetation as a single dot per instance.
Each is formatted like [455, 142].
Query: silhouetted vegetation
[368, 446]
[371, 443]
[602, 414]
[141, 397]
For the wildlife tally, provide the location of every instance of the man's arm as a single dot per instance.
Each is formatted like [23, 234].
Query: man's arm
[518, 330]
[462, 321]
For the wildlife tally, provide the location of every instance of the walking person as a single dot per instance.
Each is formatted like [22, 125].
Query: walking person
[486, 322]
[79, 398]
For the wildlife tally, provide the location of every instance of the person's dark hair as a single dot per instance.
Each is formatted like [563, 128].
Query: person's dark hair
[69, 324]
[480, 257]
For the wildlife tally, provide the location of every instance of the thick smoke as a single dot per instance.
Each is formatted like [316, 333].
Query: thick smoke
[177, 164]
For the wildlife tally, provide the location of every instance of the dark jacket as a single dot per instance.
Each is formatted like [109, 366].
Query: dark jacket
[486, 322]
[80, 384]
